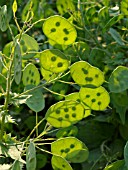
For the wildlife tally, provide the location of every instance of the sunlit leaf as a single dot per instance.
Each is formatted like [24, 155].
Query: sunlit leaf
[96, 99]
[65, 113]
[86, 75]
[59, 30]
[67, 131]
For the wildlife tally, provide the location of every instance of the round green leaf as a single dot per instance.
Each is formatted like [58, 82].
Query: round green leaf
[59, 163]
[31, 75]
[54, 61]
[76, 97]
[65, 113]
[68, 131]
[86, 75]
[28, 46]
[17, 63]
[118, 80]
[59, 30]
[96, 99]
[36, 100]
[69, 148]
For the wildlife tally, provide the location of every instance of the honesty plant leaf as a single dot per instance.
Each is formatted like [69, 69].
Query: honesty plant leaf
[16, 165]
[28, 45]
[118, 80]
[31, 75]
[124, 7]
[36, 101]
[54, 61]
[118, 165]
[86, 75]
[70, 148]
[59, 162]
[59, 30]
[3, 18]
[17, 63]
[96, 99]
[68, 131]
[76, 97]
[65, 113]
[31, 157]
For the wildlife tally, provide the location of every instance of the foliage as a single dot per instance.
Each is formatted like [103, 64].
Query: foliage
[63, 85]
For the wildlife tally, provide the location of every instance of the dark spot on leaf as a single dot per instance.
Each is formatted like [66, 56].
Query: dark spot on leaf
[63, 166]
[57, 24]
[24, 48]
[29, 71]
[99, 103]
[93, 100]
[34, 82]
[88, 78]
[65, 38]
[74, 115]
[98, 94]
[78, 100]
[17, 73]
[53, 58]
[67, 116]
[31, 81]
[17, 56]
[61, 5]
[32, 74]
[96, 75]
[27, 79]
[57, 111]
[22, 42]
[73, 108]
[66, 109]
[87, 96]
[59, 64]
[60, 119]
[67, 150]
[53, 30]
[62, 150]
[85, 71]
[66, 31]
[72, 146]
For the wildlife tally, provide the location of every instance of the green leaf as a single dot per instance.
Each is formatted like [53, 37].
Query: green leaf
[76, 97]
[124, 7]
[126, 154]
[59, 162]
[64, 6]
[28, 45]
[3, 18]
[31, 157]
[65, 113]
[118, 165]
[16, 165]
[59, 30]
[96, 99]
[118, 80]
[17, 63]
[31, 75]
[116, 36]
[68, 131]
[36, 100]
[86, 75]
[48, 75]
[54, 61]
[71, 149]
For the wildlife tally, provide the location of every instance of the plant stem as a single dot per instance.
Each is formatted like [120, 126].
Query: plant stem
[36, 124]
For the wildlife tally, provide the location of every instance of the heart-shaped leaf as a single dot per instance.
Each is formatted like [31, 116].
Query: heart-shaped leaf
[59, 30]
[86, 75]
[76, 97]
[31, 75]
[17, 63]
[54, 61]
[96, 99]
[59, 162]
[118, 80]
[65, 113]
[70, 148]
